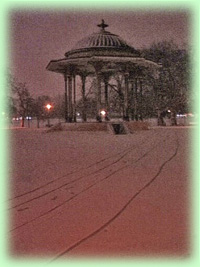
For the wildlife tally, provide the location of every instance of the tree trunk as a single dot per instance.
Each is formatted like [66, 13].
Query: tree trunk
[173, 118]
[38, 123]
[160, 121]
[22, 124]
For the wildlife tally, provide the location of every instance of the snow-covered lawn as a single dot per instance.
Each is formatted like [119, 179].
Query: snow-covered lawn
[94, 193]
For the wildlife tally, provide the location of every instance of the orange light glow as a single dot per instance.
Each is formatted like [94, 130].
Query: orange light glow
[103, 112]
[48, 106]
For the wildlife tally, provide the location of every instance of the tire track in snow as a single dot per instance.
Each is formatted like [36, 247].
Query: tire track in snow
[73, 172]
[121, 210]
[73, 181]
[63, 176]
[125, 152]
[87, 188]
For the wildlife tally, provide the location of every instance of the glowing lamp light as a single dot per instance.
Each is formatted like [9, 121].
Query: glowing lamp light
[103, 112]
[48, 106]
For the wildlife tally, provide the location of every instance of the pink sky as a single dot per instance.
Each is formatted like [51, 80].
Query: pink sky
[38, 37]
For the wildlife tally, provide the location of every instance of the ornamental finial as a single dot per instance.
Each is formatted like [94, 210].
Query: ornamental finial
[102, 25]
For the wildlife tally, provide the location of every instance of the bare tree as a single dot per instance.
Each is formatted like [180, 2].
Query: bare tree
[23, 99]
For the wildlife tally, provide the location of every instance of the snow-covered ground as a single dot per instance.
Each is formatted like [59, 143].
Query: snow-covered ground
[94, 193]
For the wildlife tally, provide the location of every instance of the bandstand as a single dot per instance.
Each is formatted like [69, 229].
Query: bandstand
[99, 55]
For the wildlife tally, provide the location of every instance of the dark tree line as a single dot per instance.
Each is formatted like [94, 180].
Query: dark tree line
[152, 94]
[171, 91]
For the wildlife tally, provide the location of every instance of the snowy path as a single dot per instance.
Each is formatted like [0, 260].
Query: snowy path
[97, 194]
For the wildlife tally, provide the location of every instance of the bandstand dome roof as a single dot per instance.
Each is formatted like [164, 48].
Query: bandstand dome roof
[101, 47]
[101, 41]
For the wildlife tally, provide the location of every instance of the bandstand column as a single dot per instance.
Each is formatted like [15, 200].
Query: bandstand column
[83, 79]
[136, 99]
[106, 79]
[141, 100]
[74, 95]
[132, 99]
[66, 99]
[126, 109]
[97, 68]
[98, 97]
[70, 98]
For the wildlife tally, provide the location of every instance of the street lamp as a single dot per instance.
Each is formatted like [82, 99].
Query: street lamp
[48, 106]
[103, 113]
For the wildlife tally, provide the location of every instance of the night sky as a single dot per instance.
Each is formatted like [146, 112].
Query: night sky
[36, 37]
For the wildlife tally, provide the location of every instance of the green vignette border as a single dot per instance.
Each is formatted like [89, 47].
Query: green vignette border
[148, 5]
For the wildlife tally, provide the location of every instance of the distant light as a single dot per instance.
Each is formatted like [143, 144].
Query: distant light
[103, 112]
[28, 118]
[48, 106]
[78, 114]
[169, 110]
[181, 115]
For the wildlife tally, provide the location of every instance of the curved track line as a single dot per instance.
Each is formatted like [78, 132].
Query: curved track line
[120, 211]
[75, 180]
[76, 195]
[70, 173]
[127, 151]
